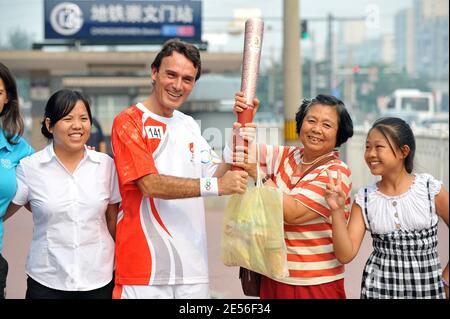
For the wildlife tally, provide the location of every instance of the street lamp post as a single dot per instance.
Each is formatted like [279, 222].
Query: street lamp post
[292, 69]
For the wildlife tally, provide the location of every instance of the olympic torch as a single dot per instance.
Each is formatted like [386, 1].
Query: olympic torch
[254, 29]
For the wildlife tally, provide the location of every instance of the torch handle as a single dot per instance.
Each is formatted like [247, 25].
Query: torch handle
[246, 116]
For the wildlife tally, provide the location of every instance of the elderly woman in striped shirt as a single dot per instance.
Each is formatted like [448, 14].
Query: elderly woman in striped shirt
[323, 124]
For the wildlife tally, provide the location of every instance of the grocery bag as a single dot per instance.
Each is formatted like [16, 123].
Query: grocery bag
[253, 231]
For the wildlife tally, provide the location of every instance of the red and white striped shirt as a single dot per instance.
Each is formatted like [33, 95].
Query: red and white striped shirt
[311, 259]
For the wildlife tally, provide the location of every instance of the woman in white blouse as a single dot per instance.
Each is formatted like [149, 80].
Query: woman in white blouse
[401, 211]
[74, 197]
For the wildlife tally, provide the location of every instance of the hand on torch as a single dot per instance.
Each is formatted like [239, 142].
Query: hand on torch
[244, 137]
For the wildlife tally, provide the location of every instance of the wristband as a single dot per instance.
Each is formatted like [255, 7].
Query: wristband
[445, 282]
[227, 155]
[209, 187]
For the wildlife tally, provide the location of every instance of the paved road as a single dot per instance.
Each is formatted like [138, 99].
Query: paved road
[224, 280]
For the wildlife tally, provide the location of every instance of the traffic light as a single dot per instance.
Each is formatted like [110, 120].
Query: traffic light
[304, 30]
[356, 69]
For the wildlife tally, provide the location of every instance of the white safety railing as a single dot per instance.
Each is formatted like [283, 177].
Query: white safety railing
[432, 148]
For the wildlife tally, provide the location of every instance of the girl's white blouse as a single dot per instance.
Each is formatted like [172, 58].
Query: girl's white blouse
[408, 211]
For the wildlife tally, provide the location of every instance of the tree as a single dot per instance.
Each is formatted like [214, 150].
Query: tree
[18, 39]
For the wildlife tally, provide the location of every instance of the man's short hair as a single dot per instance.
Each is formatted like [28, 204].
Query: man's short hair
[190, 51]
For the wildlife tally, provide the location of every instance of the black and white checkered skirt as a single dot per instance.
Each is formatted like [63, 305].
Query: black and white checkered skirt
[403, 265]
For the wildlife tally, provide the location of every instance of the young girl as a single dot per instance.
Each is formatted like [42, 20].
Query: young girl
[401, 211]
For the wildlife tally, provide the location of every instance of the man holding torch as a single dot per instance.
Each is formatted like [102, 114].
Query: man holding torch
[159, 155]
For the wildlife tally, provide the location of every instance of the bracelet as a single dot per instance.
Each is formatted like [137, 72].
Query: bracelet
[445, 282]
[209, 187]
[264, 179]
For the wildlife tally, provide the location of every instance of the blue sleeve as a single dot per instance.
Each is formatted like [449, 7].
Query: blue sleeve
[25, 148]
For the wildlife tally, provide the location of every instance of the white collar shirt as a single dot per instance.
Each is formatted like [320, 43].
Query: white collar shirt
[71, 249]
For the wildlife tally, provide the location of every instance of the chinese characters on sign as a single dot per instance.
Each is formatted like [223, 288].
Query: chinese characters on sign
[137, 13]
[153, 21]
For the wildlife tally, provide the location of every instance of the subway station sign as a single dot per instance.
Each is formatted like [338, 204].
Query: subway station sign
[129, 21]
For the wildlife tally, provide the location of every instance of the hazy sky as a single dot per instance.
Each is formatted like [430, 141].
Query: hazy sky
[217, 14]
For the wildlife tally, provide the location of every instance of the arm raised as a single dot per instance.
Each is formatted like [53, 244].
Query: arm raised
[347, 239]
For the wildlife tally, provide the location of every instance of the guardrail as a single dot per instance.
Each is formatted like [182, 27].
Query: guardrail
[432, 148]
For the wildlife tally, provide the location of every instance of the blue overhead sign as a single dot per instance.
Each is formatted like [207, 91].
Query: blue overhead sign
[140, 21]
